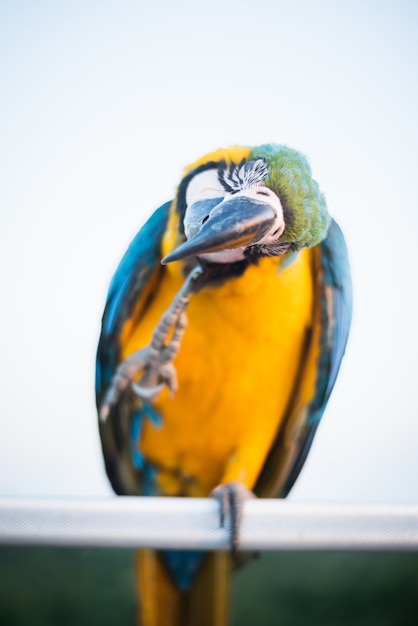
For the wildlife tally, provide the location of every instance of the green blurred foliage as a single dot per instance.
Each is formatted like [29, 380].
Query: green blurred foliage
[64, 586]
[328, 589]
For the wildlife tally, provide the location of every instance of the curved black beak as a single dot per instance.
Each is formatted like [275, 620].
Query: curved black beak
[234, 223]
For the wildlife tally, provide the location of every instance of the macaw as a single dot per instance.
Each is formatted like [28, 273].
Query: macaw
[226, 399]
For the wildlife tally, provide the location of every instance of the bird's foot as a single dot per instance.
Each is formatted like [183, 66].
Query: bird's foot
[155, 361]
[231, 497]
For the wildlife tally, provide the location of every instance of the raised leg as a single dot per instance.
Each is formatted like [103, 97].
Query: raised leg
[155, 361]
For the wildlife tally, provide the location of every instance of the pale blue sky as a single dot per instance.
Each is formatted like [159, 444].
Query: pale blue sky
[102, 105]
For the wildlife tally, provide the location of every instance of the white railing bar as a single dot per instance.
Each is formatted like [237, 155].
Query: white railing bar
[193, 523]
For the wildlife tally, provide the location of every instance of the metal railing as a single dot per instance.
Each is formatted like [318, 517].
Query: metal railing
[193, 523]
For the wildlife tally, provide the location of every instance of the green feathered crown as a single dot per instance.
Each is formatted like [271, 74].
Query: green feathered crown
[305, 210]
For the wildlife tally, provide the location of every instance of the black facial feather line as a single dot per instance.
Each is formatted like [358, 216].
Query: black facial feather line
[243, 176]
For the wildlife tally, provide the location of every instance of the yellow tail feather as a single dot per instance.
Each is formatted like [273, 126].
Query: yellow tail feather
[161, 603]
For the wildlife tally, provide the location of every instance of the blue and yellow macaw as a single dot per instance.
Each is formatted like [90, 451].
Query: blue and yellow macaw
[232, 395]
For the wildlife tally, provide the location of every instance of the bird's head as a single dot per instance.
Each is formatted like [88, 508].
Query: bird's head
[247, 203]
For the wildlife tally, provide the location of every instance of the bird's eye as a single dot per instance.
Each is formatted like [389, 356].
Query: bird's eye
[262, 191]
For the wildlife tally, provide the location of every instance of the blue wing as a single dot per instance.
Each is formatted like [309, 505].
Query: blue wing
[137, 274]
[331, 325]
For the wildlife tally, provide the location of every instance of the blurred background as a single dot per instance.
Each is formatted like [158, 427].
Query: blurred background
[102, 105]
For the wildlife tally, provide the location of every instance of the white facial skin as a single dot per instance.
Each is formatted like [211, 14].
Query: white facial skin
[205, 186]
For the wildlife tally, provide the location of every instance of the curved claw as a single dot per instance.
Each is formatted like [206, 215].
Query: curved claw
[104, 412]
[121, 380]
[147, 393]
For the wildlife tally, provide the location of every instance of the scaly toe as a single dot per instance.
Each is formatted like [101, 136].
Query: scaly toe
[231, 497]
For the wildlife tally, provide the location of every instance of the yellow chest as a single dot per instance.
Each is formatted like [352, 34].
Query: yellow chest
[236, 369]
